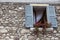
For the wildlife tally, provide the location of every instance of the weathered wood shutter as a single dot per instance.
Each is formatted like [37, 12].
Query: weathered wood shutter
[28, 16]
[51, 16]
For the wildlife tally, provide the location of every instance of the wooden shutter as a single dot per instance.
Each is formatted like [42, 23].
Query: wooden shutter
[51, 16]
[28, 16]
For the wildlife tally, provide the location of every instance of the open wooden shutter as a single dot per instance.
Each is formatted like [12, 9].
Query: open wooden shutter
[28, 16]
[51, 16]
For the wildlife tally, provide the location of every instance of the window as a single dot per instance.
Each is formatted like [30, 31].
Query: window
[39, 16]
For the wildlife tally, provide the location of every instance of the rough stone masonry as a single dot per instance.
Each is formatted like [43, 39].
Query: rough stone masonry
[12, 20]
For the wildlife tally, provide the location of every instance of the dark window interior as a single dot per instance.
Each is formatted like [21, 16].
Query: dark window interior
[39, 14]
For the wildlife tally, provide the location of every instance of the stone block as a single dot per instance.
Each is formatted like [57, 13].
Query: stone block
[56, 38]
[23, 31]
[57, 7]
[1, 27]
[47, 38]
[54, 31]
[3, 30]
[52, 38]
[32, 38]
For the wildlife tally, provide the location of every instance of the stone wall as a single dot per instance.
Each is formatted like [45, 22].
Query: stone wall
[58, 16]
[12, 20]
